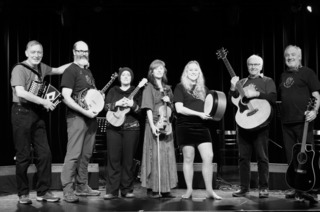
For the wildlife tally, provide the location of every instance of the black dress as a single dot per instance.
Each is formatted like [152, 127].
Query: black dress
[190, 130]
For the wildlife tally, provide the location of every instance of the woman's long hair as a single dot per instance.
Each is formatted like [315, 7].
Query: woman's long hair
[197, 90]
[155, 64]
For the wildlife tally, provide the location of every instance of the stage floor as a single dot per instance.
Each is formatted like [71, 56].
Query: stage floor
[276, 202]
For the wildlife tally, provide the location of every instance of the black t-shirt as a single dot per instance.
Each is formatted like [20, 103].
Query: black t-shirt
[296, 88]
[77, 79]
[189, 101]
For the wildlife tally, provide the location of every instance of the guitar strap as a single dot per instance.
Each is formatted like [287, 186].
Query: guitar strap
[31, 69]
[244, 81]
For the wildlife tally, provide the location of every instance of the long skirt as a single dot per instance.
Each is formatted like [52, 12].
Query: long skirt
[149, 167]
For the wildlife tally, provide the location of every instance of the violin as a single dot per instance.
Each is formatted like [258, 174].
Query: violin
[163, 124]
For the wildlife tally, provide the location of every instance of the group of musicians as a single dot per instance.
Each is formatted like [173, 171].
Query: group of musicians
[255, 96]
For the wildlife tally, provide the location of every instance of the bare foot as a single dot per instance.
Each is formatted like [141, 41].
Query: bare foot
[213, 195]
[187, 195]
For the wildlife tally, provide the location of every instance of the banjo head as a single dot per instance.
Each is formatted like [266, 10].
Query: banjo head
[94, 100]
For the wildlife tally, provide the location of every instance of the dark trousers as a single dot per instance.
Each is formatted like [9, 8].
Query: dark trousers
[292, 134]
[28, 128]
[121, 145]
[257, 142]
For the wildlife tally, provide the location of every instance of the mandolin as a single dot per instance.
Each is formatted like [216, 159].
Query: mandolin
[300, 174]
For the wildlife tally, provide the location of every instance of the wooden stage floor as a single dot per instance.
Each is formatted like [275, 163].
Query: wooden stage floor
[276, 202]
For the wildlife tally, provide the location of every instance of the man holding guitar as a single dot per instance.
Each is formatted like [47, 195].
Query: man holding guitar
[81, 127]
[298, 85]
[255, 86]
[123, 131]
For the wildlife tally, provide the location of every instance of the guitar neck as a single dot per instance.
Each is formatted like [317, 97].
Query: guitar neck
[304, 136]
[107, 85]
[232, 74]
[134, 92]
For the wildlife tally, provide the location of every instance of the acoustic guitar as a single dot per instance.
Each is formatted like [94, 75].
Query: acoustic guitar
[164, 124]
[117, 118]
[300, 174]
[251, 113]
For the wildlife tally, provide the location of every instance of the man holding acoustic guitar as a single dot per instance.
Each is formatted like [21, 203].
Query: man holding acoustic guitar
[298, 85]
[254, 93]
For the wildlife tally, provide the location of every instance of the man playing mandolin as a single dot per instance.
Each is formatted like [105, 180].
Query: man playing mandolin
[255, 86]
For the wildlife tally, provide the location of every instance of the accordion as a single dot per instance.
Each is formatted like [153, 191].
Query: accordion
[46, 91]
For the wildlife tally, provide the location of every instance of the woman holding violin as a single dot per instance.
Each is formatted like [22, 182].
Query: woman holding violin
[191, 129]
[158, 169]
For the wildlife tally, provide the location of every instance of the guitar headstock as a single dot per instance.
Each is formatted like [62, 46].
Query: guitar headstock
[142, 82]
[222, 53]
[311, 104]
[114, 75]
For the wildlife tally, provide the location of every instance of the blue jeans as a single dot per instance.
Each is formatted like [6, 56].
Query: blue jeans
[29, 129]
[257, 142]
[81, 140]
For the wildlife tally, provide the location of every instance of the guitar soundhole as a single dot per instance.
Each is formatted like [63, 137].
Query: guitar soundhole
[302, 158]
[245, 100]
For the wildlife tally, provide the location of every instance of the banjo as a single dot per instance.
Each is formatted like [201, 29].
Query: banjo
[92, 99]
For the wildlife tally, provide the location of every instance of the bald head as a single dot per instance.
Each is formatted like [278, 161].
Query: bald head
[80, 45]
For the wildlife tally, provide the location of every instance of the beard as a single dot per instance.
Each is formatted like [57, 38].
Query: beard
[82, 61]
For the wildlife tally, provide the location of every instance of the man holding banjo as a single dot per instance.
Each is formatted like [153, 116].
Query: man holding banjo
[81, 125]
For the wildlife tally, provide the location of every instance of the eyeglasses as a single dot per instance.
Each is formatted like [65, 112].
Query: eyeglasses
[82, 51]
[253, 64]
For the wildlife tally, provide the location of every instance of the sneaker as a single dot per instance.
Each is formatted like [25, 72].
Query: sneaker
[240, 193]
[311, 197]
[128, 195]
[85, 190]
[298, 197]
[70, 197]
[49, 197]
[290, 194]
[25, 199]
[109, 196]
[263, 193]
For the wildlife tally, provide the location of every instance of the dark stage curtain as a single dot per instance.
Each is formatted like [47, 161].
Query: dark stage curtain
[134, 35]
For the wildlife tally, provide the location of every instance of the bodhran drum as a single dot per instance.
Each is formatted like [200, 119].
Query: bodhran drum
[215, 104]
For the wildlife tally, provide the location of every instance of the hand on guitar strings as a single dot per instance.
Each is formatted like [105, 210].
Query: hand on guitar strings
[124, 102]
[250, 91]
